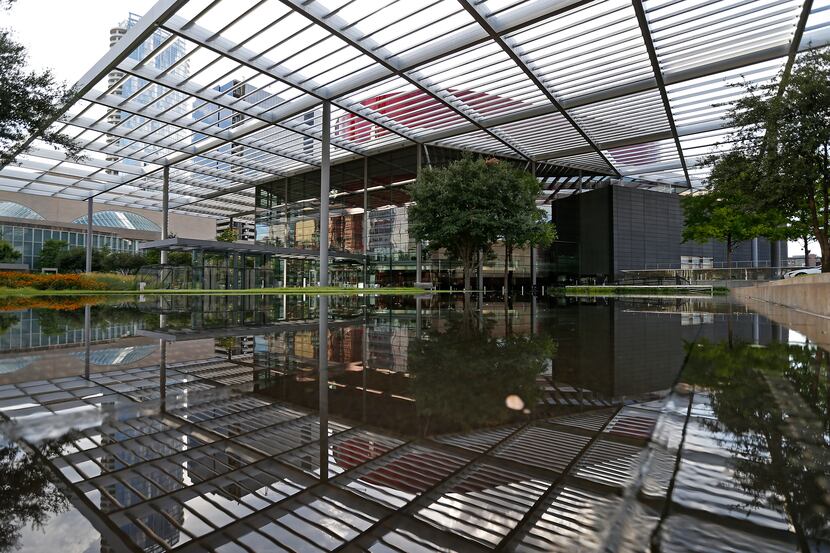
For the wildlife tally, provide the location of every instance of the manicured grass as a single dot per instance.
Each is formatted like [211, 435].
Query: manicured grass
[250, 292]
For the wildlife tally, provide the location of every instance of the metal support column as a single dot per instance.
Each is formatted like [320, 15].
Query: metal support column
[163, 372]
[89, 235]
[533, 255]
[532, 270]
[87, 337]
[755, 252]
[418, 245]
[325, 166]
[323, 388]
[165, 205]
[366, 222]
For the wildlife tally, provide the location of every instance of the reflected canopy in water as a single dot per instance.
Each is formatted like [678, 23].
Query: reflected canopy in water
[225, 423]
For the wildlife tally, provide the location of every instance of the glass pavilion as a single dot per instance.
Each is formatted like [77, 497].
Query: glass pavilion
[274, 92]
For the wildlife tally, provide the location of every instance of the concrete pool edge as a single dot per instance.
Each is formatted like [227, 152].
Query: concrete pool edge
[810, 293]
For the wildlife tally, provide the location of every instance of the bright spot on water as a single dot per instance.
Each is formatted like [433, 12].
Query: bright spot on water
[514, 402]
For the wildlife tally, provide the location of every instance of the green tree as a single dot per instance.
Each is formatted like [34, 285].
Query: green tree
[457, 208]
[73, 260]
[723, 212]
[50, 251]
[8, 254]
[783, 129]
[27, 495]
[27, 101]
[521, 223]
[228, 235]
[123, 262]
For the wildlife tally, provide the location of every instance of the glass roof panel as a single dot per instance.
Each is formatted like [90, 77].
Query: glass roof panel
[478, 141]
[695, 33]
[817, 30]
[13, 209]
[120, 219]
[485, 80]
[229, 93]
[545, 134]
[594, 47]
[590, 161]
[639, 114]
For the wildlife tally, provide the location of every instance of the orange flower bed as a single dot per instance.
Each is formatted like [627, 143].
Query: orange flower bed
[64, 303]
[48, 282]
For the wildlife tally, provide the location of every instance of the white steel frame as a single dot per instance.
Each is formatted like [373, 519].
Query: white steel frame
[634, 90]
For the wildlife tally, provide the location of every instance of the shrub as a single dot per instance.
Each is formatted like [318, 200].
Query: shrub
[114, 281]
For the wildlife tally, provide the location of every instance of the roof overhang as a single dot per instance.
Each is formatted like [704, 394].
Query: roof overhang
[624, 89]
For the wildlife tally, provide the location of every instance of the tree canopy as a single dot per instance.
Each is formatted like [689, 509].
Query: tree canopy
[27, 101]
[227, 235]
[8, 254]
[783, 135]
[469, 204]
[724, 213]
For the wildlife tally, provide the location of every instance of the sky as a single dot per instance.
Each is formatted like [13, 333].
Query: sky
[69, 36]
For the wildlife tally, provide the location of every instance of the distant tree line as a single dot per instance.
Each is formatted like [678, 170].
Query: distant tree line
[57, 254]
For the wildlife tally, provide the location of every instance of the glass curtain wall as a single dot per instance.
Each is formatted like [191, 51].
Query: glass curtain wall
[28, 240]
[377, 224]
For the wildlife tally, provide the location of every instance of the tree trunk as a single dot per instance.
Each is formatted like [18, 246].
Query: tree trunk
[818, 230]
[466, 263]
[729, 257]
[824, 237]
[506, 265]
[806, 249]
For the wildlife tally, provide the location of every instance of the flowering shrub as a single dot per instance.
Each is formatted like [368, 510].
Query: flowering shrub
[49, 282]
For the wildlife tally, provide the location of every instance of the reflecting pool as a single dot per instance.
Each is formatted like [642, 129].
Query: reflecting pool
[225, 423]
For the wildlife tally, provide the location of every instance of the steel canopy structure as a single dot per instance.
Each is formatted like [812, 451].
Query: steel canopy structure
[633, 90]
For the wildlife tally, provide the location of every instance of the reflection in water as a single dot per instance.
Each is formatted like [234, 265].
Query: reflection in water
[462, 373]
[771, 408]
[27, 495]
[226, 422]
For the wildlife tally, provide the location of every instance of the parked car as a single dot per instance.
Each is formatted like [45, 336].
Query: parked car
[802, 271]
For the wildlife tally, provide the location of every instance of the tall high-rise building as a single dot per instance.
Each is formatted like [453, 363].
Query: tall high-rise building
[143, 92]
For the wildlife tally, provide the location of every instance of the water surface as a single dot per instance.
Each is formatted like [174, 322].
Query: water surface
[429, 424]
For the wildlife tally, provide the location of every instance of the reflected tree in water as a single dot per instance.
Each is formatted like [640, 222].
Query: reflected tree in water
[27, 497]
[55, 322]
[463, 374]
[8, 320]
[774, 400]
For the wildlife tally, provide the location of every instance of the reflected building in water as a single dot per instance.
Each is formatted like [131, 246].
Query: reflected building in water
[394, 431]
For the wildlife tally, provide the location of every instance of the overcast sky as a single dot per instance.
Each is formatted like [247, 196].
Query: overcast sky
[68, 36]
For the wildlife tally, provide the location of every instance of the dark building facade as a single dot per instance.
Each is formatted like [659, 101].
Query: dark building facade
[614, 229]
